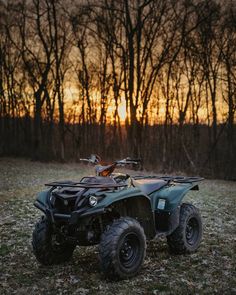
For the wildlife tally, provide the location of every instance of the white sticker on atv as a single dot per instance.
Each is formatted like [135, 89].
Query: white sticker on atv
[161, 204]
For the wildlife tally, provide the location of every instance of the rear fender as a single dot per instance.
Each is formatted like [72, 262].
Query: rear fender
[172, 195]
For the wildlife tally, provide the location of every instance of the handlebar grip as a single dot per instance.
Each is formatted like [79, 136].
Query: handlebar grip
[134, 160]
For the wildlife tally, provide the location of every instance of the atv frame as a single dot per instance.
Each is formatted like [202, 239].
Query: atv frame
[135, 208]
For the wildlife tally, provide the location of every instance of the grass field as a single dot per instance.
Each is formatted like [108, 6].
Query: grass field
[211, 270]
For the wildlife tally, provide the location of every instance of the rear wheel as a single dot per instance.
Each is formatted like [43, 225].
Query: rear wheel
[187, 236]
[46, 246]
[122, 249]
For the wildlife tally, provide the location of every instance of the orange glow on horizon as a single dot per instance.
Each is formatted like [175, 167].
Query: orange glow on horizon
[156, 114]
[122, 110]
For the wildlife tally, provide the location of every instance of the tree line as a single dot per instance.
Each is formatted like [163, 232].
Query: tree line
[67, 66]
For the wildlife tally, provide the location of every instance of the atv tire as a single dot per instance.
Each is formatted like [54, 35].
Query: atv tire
[187, 236]
[122, 249]
[46, 250]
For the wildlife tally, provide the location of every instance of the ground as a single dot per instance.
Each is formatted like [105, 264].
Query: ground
[211, 270]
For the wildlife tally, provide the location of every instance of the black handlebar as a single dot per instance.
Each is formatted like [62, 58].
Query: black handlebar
[128, 161]
[95, 159]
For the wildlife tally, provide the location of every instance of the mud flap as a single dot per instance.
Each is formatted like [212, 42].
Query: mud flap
[166, 222]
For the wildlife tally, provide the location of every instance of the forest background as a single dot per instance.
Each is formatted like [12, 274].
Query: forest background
[154, 79]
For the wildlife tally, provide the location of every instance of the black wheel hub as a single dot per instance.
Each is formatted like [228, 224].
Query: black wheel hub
[129, 250]
[192, 231]
[55, 242]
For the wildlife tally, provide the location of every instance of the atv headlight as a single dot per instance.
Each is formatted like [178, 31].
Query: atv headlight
[93, 201]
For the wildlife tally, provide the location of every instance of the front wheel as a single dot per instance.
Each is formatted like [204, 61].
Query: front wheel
[187, 236]
[122, 249]
[46, 247]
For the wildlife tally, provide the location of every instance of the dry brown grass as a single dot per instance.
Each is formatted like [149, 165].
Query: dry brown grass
[211, 270]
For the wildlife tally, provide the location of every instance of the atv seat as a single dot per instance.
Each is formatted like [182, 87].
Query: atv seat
[149, 186]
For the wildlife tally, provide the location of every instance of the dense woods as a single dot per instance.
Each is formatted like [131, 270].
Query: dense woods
[154, 79]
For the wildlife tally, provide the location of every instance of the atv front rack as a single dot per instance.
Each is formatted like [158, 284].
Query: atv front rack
[178, 179]
[85, 185]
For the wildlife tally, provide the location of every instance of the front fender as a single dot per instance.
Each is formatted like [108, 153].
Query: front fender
[41, 201]
[173, 195]
[113, 197]
[109, 198]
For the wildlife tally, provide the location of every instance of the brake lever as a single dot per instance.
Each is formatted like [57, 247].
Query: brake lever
[85, 160]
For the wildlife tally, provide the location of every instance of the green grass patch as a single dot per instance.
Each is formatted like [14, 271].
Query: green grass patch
[5, 249]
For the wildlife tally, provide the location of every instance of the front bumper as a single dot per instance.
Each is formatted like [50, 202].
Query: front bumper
[72, 218]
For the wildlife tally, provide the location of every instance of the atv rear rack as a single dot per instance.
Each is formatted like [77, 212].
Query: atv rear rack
[178, 179]
[85, 185]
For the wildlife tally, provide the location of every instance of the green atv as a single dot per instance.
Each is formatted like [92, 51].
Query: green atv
[118, 212]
